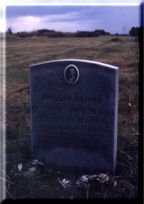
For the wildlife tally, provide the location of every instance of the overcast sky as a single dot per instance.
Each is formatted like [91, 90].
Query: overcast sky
[73, 18]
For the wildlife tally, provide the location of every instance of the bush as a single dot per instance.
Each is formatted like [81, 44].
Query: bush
[135, 31]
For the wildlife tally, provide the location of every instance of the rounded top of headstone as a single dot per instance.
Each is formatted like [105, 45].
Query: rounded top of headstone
[71, 61]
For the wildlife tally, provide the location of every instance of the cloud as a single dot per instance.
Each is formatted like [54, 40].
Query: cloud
[24, 23]
[60, 22]
[13, 11]
[72, 18]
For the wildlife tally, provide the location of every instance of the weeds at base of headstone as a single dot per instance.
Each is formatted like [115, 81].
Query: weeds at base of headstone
[43, 181]
[84, 180]
[87, 184]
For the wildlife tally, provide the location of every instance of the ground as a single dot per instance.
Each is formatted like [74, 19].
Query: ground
[31, 179]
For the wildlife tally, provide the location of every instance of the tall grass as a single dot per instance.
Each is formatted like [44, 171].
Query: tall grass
[38, 181]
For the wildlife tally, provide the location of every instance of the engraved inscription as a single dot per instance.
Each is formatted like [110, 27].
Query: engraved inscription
[87, 111]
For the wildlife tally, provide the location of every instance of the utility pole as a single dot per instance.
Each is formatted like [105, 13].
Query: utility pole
[124, 30]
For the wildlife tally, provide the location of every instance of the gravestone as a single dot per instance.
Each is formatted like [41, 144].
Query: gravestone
[74, 105]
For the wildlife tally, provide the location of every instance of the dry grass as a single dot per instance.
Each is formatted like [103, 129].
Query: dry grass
[43, 182]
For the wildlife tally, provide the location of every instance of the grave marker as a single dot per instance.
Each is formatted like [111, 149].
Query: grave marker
[74, 105]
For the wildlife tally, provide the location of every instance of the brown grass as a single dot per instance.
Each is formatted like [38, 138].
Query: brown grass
[20, 54]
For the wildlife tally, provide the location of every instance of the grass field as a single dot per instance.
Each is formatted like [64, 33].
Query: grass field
[26, 179]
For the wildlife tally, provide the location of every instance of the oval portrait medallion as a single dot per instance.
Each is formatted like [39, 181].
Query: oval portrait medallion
[71, 74]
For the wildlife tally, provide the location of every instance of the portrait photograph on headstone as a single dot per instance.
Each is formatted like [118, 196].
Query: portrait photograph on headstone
[72, 101]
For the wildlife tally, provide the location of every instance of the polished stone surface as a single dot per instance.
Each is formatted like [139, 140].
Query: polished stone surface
[74, 106]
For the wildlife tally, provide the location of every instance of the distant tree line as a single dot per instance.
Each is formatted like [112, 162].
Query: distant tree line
[91, 33]
[134, 31]
[53, 33]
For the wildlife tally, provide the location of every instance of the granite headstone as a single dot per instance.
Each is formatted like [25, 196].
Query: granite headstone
[74, 106]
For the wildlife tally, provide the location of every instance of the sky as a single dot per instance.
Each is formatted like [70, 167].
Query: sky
[114, 16]
[113, 19]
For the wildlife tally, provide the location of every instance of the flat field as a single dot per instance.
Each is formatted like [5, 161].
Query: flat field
[26, 179]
